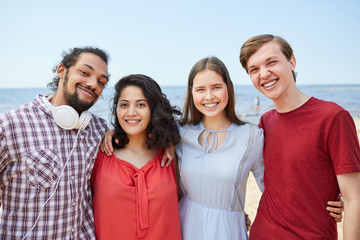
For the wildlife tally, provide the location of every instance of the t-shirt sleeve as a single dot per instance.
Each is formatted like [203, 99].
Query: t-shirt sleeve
[260, 125]
[343, 144]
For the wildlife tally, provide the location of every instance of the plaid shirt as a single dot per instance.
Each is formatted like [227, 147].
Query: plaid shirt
[33, 151]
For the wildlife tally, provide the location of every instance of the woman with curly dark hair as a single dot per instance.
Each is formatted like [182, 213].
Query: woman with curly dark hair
[133, 196]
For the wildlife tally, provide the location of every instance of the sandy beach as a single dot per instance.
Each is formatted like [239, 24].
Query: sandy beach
[253, 193]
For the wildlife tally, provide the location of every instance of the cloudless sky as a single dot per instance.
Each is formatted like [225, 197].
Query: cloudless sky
[163, 39]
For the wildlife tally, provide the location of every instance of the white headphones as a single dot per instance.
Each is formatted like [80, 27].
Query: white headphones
[67, 117]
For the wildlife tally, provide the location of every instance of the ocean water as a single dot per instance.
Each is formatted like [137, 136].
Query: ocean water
[250, 104]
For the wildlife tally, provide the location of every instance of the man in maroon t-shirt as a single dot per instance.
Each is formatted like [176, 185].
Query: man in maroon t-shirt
[311, 151]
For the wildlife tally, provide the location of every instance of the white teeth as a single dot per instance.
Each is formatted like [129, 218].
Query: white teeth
[132, 121]
[210, 105]
[269, 84]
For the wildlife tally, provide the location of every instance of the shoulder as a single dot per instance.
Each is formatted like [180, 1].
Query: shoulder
[329, 111]
[98, 120]
[254, 128]
[325, 106]
[100, 158]
[268, 114]
[247, 127]
[190, 128]
[16, 116]
[98, 123]
[258, 133]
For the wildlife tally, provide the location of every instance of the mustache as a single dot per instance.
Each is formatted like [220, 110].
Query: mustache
[88, 88]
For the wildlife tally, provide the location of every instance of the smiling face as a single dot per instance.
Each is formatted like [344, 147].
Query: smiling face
[270, 71]
[210, 94]
[81, 85]
[133, 112]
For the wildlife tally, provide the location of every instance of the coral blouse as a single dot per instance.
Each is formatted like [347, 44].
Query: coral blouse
[134, 203]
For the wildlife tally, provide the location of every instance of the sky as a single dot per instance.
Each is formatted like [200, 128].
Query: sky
[164, 39]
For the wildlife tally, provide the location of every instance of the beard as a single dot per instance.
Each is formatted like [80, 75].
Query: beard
[73, 99]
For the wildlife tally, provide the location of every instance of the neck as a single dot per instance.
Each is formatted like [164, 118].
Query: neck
[57, 99]
[216, 123]
[290, 101]
[137, 142]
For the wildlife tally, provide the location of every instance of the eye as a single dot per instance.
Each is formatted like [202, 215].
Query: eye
[271, 63]
[253, 70]
[84, 73]
[101, 83]
[123, 105]
[199, 90]
[141, 105]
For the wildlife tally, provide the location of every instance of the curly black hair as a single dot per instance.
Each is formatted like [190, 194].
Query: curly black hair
[162, 131]
[70, 58]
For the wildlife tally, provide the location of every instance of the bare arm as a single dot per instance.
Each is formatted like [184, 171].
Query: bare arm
[350, 188]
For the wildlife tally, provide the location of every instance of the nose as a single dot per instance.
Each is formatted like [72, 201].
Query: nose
[264, 72]
[92, 82]
[209, 95]
[131, 110]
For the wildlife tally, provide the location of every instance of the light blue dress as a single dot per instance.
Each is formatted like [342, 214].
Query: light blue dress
[214, 184]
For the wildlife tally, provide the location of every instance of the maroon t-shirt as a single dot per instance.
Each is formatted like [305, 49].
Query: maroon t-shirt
[304, 150]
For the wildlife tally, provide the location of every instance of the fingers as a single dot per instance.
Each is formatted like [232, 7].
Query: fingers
[168, 156]
[336, 204]
[166, 160]
[106, 144]
[247, 222]
[336, 217]
[163, 160]
[335, 210]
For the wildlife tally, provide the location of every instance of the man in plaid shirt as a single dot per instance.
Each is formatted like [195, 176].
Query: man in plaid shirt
[47, 153]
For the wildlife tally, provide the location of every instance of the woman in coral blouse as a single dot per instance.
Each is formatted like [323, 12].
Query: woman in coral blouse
[133, 196]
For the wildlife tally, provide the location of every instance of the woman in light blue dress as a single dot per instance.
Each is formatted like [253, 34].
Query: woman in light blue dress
[216, 154]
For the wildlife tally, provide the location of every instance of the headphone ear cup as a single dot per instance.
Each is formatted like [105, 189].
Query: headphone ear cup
[84, 120]
[65, 116]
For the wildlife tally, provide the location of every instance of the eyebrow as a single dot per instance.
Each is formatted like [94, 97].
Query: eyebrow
[269, 58]
[138, 100]
[89, 66]
[212, 85]
[266, 60]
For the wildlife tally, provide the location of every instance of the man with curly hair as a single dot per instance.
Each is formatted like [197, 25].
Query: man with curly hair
[47, 151]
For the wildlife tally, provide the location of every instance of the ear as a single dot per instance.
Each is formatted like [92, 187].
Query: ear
[292, 63]
[61, 70]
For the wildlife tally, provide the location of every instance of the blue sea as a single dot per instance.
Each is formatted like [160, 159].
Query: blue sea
[250, 104]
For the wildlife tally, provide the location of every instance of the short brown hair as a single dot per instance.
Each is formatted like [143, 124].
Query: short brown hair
[253, 44]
